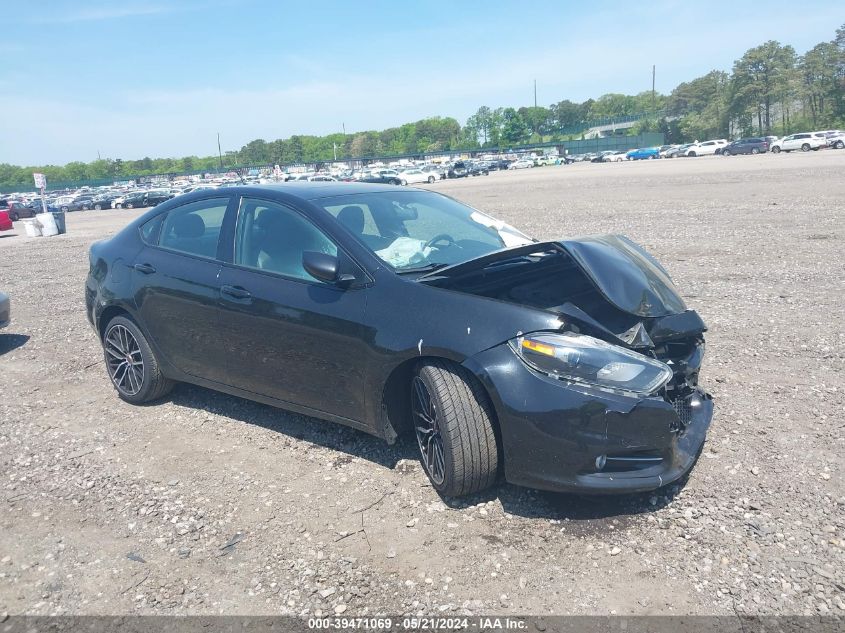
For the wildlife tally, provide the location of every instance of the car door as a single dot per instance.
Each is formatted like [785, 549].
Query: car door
[176, 285]
[288, 335]
[788, 143]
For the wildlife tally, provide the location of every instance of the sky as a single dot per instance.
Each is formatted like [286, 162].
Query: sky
[132, 78]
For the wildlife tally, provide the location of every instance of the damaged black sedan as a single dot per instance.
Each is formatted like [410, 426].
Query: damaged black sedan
[562, 365]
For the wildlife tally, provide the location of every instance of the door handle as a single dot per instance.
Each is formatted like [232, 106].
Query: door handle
[144, 268]
[236, 292]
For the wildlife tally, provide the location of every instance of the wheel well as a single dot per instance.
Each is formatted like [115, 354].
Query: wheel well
[107, 315]
[396, 398]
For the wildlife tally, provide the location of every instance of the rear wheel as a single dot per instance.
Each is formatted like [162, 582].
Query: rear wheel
[453, 424]
[128, 205]
[131, 363]
[805, 147]
[691, 154]
[14, 217]
[754, 150]
[98, 207]
[430, 179]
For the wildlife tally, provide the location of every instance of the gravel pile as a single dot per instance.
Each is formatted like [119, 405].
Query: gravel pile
[205, 503]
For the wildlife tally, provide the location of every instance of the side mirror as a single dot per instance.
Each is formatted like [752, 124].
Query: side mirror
[325, 268]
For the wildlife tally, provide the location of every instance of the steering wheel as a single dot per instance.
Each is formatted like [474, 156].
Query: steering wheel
[440, 237]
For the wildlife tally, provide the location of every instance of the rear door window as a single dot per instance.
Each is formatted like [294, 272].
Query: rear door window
[194, 228]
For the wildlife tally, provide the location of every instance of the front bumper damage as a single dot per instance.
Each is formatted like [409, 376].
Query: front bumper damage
[560, 437]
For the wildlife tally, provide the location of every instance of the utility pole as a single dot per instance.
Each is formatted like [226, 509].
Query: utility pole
[219, 152]
[653, 70]
[344, 128]
[535, 93]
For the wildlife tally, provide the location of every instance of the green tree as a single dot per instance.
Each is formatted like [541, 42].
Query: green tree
[514, 128]
[762, 77]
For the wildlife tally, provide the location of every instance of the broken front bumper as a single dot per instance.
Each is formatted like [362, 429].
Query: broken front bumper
[565, 438]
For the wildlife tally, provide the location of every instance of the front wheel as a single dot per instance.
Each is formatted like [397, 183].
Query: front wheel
[118, 205]
[98, 207]
[805, 147]
[839, 145]
[453, 424]
[754, 150]
[133, 368]
[128, 205]
[776, 150]
[430, 179]
[726, 152]
[403, 182]
[692, 154]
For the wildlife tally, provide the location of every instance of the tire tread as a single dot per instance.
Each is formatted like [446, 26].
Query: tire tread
[467, 419]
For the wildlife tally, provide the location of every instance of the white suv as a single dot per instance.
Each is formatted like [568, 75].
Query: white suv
[805, 141]
[706, 148]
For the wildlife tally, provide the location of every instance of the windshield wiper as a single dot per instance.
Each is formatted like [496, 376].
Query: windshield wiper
[427, 268]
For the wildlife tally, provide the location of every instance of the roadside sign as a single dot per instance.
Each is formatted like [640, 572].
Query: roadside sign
[40, 180]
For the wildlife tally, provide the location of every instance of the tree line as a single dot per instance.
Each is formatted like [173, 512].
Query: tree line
[770, 90]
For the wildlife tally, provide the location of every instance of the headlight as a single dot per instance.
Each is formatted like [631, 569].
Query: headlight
[590, 361]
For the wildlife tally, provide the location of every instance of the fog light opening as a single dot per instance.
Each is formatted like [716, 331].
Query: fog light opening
[601, 460]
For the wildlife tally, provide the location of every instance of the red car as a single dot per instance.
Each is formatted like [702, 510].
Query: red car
[5, 222]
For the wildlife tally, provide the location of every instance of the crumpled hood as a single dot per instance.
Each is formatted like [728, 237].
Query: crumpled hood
[623, 272]
[627, 276]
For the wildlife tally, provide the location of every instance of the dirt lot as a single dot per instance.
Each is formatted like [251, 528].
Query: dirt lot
[206, 503]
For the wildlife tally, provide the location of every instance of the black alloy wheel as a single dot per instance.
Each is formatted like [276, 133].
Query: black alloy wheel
[133, 368]
[427, 430]
[124, 359]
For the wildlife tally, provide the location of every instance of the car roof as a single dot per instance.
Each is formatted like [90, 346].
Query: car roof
[315, 190]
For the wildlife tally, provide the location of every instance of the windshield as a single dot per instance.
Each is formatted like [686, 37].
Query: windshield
[420, 230]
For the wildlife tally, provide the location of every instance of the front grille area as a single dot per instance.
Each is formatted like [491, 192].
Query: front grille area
[683, 408]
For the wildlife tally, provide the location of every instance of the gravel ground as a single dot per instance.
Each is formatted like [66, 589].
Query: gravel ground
[206, 503]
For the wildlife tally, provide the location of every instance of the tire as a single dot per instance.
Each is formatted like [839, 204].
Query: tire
[652, 157]
[65, 209]
[726, 152]
[776, 149]
[754, 150]
[118, 205]
[403, 182]
[693, 154]
[98, 207]
[839, 145]
[128, 205]
[134, 384]
[430, 180]
[462, 426]
[14, 217]
[805, 147]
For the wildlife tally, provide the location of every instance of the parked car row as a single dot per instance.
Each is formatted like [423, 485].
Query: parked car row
[803, 141]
